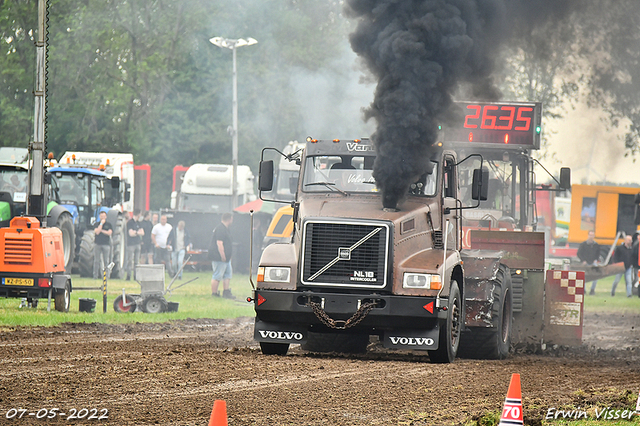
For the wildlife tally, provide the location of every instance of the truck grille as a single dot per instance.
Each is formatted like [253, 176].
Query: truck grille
[353, 254]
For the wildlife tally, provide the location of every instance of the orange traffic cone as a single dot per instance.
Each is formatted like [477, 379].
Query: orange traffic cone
[219, 414]
[512, 411]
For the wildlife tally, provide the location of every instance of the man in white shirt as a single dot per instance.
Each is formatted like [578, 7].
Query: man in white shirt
[159, 235]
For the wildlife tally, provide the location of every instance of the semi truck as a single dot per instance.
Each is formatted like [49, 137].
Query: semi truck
[203, 193]
[354, 269]
[209, 188]
[433, 275]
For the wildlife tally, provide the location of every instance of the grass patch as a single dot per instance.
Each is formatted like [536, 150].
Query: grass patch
[194, 298]
[602, 301]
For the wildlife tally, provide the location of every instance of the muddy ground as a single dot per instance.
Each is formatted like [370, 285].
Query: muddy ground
[170, 374]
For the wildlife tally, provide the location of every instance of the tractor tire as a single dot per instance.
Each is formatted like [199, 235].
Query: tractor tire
[269, 348]
[493, 342]
[62, 298]
[154, 305]
[449, 339]
[118, 246]
[118, 305]
[334, 342]
[65, 224]
[84, 263]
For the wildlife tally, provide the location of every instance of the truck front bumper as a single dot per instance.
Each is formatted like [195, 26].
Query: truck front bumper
[405, 322]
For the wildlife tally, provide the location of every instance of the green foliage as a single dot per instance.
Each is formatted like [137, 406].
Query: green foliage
[141, 76]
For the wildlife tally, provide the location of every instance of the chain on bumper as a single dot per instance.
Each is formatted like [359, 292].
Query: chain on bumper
[355, 319]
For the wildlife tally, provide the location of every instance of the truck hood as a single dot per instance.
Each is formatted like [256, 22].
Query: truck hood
[360, 207]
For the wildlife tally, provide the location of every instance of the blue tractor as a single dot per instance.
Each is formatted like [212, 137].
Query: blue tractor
[81, 192]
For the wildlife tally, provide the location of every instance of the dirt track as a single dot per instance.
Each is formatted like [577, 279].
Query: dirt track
[170, 374]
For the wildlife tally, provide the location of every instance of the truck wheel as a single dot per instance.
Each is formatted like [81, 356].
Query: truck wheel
[449, 339]
[85, 254]
[154, 305]
[118, 305]
[65, 224]
[268, 348]
[62, 298]
[118, 246]
[334, 342]
[493, 342]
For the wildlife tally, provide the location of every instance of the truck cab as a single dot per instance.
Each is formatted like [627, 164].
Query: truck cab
[354, 269]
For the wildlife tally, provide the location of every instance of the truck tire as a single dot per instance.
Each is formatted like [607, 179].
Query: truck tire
[118, 305]
[493, 342]
[118, 246]
[154, 305]
[85, 254]
[449, 339]
[65, 224]
[269, 348]
[334, 342]
[62, 298]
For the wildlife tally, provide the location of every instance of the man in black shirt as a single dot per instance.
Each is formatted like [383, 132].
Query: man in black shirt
[625, 253]
[589, 254]
[220, 251]
[102, 249]
[135, 232]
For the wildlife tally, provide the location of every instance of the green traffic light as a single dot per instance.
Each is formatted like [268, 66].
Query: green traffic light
[538, 129]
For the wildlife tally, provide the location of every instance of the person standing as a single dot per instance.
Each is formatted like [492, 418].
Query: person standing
[179, 241]
[146, 251]
[589, 254]
[220, 251]
[102, 246]
[135, 233]
[159, 236]
[625, 253]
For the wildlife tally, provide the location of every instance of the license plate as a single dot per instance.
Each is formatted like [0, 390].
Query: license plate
[18, 281]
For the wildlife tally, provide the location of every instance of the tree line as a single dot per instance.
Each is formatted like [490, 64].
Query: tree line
[141, 76]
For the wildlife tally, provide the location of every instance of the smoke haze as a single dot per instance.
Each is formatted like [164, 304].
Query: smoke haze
[422, 53]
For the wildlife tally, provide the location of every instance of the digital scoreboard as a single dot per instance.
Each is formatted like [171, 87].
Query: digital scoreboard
[496, 124]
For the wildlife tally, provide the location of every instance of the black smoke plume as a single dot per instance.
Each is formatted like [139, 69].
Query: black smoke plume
[422, 52]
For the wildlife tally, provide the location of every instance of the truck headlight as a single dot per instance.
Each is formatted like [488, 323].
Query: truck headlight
[426, 281]
[274, 274]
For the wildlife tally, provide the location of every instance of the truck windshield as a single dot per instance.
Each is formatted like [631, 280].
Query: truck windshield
[349, 173]
[205, 203]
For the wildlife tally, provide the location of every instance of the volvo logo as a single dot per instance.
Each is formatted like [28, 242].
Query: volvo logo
[344, 253]
[352, 146]
[411, 341]
[280, 335]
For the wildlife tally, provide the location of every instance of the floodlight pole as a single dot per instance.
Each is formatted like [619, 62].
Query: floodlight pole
[233, 44]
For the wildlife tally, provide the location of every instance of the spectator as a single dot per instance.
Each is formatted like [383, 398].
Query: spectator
[154, 219]
[625, 253]
[589, 254]
[179, 242]
[134, 243]
[102, 247]
[146, 251]
[159, 236]
[220, 251]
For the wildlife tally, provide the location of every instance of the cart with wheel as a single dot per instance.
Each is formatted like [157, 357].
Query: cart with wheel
[152, 291]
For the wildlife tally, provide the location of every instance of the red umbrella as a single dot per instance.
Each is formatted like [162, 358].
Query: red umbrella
[257, 206]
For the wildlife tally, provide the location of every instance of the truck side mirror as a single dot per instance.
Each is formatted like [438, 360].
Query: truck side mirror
[480, 184]
[265, 181]
[565, 178]
[293, 184]
[115, 182]
[127, 192]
